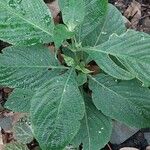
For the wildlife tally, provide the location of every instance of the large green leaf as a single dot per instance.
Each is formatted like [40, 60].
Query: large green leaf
[56, 110]
[16, 146]
[95, 130]
[95, 11]
[25, 22]
[24, 67]
[19, 100]
[111, 23]
[125, 101]
[73, 12]
[131, 49]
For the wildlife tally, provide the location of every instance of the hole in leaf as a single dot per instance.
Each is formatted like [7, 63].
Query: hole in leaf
[49, 69]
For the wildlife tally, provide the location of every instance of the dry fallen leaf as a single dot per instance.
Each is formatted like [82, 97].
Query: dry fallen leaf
[93, 68]
[1, 138]
[1, 141]
[54, 8]
[121, 5]
[1, 147]
[133, 13]
[17, 117]
[146, 22]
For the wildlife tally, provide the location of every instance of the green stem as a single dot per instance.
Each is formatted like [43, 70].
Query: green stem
[73, 41]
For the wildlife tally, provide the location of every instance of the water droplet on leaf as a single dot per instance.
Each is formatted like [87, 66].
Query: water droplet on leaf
[23, 12]
[99, 132]
[104, 33]
[15, 4]
[18, 1]
[47, 19]
[12, 3]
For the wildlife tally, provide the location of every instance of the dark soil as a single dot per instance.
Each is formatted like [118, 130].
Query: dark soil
[137, 141]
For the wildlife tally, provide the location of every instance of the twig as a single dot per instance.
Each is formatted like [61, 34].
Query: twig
[145, 6]
[145, 16]
[109, 147]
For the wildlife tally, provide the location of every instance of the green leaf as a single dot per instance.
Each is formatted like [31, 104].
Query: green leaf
[61, 33]
[16, 146]
[72, 12]
[131, 49]
[95, 12]
[27, 67]
[6, 122]
[81, 78]
[19, 100]
[83, 69]
[125, 101]
[55, 117]
[25, 22]
[23, 132]
[95, 130]
[69, 60]
[109, 24]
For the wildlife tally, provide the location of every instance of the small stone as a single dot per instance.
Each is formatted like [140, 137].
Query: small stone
[148, 148]
[121, 133]
[147, 137]
[129, 148]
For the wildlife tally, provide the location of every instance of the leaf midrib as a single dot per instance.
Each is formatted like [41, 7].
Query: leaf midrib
[18, 15]
[103, 27]
[88, 131]
[51, 67]
[125, 98]
[105, 87]
[61, 100]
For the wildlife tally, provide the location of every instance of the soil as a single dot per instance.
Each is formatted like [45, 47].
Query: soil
[137, 141]
[137, 13]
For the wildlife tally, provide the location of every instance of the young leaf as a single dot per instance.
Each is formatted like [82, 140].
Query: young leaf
[125, 101]
[132, 49]
[95, 11]
[81, 78]
[24, 67]
[95, 130]
[69, 60]
[111, 23]
[25, 22]
[73, 12]
[19, 100]
[55, 117]
[61, 33]
[16, 146]
[22, 132]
